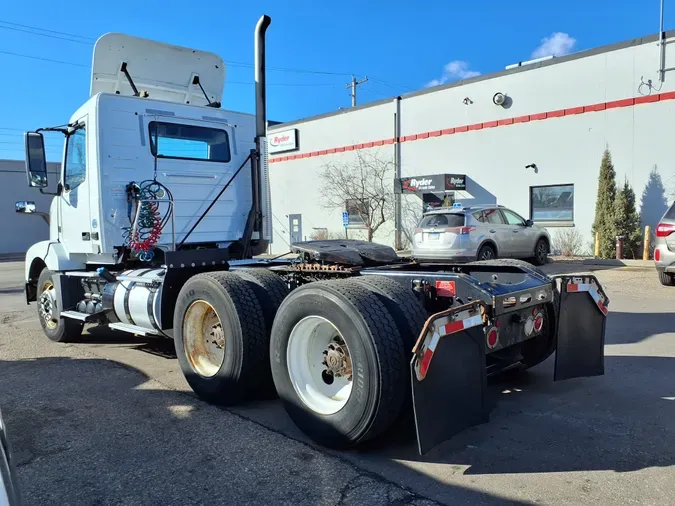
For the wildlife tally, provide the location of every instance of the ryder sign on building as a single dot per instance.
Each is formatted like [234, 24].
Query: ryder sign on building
[285, 140]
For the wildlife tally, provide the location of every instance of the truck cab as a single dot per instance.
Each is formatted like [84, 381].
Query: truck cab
[153, 116]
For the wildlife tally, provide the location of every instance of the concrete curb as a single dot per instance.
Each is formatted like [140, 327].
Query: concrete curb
[618, 263]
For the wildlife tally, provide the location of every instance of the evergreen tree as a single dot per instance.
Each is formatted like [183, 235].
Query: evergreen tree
[605, 221]
[653, 203]
[627, 221]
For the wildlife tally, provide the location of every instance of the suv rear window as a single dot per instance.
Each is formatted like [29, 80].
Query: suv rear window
[670, 213]
[442, 220]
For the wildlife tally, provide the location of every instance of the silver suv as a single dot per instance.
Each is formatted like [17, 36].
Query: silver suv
[479, 232]
[664, 248]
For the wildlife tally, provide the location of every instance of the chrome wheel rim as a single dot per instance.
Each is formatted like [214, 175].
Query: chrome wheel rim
[47, 305]
[203, 338]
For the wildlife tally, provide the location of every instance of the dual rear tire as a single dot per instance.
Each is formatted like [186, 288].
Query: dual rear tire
[336, 352]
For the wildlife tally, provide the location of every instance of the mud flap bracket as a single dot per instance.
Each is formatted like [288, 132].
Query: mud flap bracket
[580, 333]
[448, 375]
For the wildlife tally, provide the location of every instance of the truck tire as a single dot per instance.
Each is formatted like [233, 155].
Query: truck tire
[270, 291]
[60, 330]
[402, 304]
[346, 323]
[220, 338]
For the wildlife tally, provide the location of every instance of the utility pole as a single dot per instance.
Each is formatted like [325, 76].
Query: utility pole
[353, 86]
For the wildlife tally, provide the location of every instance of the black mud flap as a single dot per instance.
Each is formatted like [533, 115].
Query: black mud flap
[449, 376]
[582, 316]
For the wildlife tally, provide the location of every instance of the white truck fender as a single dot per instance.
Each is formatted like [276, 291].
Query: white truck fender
[53, 255]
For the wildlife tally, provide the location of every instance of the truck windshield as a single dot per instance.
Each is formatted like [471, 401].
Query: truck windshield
[189, 142]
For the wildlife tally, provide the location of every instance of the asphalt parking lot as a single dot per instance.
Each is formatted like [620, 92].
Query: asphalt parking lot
[111, 420]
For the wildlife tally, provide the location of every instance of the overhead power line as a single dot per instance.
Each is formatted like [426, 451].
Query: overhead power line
[68, 39]
[44, 59]
[44, 32]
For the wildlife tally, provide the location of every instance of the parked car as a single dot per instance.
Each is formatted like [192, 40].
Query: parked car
[664, 248]
[479, 233]
[9, 487]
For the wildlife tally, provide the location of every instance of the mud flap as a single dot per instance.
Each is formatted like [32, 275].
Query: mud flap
[449, 391]
[582, 316]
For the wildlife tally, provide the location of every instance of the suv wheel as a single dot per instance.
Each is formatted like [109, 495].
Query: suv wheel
[486, 252]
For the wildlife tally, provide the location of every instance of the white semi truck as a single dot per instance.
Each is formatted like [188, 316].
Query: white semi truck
[163, 202]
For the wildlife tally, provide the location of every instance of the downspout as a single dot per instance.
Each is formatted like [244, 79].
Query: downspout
[662, 46]
[398, 215]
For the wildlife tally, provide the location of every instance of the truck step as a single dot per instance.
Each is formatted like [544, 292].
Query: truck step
[85, 317]
[133, 329]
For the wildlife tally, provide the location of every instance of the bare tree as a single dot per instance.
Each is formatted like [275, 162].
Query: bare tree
[411, 214]
[364, 187]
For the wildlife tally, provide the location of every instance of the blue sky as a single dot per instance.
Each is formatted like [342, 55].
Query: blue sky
[315, 45]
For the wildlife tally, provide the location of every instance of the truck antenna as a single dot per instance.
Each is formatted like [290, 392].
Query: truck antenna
[195, 80]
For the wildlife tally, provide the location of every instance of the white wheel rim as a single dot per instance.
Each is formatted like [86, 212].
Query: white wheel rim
[309, 339]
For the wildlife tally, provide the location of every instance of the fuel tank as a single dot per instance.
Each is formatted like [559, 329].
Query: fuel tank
[136, 301]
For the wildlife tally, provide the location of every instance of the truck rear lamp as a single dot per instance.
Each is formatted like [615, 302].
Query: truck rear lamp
[460, 230]
[529, 325]
[664, 229]
[492, 337]
[538, 322]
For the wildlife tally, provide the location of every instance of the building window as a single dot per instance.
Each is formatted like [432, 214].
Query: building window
[552, 205]
[189, 142]
[357, 212]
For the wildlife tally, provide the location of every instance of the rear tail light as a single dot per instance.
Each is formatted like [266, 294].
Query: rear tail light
[460, 230]
[657, 255]
[492, 338]
[664, 229]
[538, 322]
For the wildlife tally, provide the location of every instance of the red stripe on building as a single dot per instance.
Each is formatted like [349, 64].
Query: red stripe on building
[571, 111]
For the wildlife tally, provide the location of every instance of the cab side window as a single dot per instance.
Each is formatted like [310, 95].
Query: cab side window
[76, 160]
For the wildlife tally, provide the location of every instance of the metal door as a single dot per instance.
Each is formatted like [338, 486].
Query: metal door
[74, 210]
[295, 227]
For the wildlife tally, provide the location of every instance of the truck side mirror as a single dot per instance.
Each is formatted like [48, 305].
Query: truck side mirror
[24, 206]
[36, 160]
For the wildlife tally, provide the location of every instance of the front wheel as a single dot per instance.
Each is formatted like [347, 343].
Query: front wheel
[57, 329]
[540, 252]
[338, 362]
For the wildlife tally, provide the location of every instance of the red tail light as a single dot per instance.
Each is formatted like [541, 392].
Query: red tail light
[460, 230]
[664, 229]
[657, 254]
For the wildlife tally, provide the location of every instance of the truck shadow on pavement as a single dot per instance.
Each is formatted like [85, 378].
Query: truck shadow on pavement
[91, 431]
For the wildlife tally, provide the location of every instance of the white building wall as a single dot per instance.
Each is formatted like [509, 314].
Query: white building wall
[18, 232]
[561, 115]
